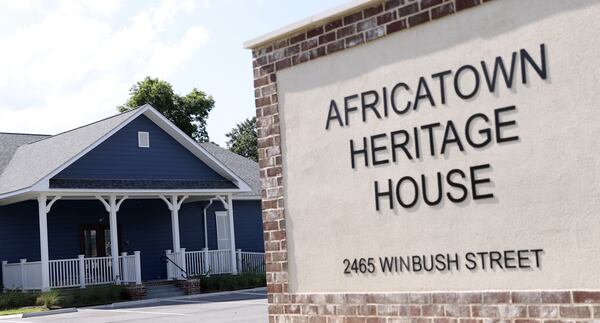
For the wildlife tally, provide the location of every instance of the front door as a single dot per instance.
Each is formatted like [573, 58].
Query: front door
[95, 240]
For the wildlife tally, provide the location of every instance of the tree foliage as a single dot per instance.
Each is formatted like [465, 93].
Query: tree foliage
[188, 112]
[242, 139]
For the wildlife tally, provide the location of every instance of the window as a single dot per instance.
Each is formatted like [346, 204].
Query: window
[223, 237]
[143, 139]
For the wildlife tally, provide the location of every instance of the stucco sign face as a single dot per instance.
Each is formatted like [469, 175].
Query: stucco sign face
[420, 163]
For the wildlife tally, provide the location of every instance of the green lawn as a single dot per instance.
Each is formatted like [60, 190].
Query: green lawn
[28, 309]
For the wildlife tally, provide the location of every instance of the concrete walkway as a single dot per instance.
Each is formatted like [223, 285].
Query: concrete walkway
[241, 306]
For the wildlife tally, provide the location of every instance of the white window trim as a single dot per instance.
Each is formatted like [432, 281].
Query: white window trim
[141, 143]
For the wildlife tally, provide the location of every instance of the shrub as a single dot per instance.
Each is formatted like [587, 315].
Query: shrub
[14, 299]
[49, 299]
[232, 282]
[95, 295]
[74, 297]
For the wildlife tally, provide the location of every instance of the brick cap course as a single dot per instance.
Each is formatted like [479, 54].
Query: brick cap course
[306, 24]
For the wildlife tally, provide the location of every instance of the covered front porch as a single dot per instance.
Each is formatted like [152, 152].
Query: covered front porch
[159, 236]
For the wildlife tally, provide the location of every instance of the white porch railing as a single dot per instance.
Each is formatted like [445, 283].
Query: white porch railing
[78, 272]
[212, 262]
[251, 262]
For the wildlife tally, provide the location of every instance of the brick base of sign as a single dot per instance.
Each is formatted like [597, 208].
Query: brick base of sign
[189, 287]
[438, 307]
[136, 292]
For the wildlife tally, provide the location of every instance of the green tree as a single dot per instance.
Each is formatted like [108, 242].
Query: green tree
[188, 112]
[242, 139]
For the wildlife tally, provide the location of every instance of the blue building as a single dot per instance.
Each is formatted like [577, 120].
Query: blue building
[127, 199]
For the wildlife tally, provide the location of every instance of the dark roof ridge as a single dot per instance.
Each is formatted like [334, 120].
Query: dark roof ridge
[23, 134]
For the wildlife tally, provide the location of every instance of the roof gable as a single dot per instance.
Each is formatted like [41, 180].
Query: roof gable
[34, 164]
[119, 162]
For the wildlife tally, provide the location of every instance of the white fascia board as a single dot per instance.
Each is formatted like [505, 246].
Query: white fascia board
[80, 192]
[306, 23]
[195, 148]
[246, 198]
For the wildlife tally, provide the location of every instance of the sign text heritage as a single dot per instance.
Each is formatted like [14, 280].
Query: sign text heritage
[435, 139]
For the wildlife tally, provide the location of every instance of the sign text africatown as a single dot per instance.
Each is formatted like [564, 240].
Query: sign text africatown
[432, 140]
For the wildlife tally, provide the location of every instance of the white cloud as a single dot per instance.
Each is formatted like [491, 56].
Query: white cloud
[73, 66]
[21, 4]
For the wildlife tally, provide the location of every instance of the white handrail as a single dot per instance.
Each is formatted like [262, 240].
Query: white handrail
[208, 262]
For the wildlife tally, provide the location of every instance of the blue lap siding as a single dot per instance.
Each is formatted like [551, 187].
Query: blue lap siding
[120, 158]
[145, 225]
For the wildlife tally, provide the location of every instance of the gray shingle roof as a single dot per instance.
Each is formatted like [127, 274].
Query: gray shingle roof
[33, 161]
[9, 142]
[243, 167]
[26, 158]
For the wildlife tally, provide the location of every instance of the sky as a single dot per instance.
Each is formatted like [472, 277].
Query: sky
[64, 64]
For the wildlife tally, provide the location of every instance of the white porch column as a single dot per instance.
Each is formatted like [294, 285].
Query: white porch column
[112, 207]
[43, 209]
[232, 233]
[175, 224]
[114, 237]
[44, 243]
[174, 204]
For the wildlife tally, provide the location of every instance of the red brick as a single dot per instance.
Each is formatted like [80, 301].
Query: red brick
[586, 297]
[355, 40]
[353, 18]
[295, 49]
[262, 102]
[396, 26]
[496, 297]
[309, 44]
[419, 298]
[333, 24]
[429, 3]
[543, 311]
[261, 81]
[366, 24]
[443, 298]
[468, 298]
[526, 297]
[297, 38]
[326, 38]
[443, 10]
[386, 17]
[487, 311]
[314, 32]
[370, 12]
[335, 46]
[418, 19]
[432, 310]
[458, 310]
[317, 52]
[408, 10]
[464, 4]
[374, 33]
[575, 312]
[346, 31]
[390, 4]
[559, 297]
